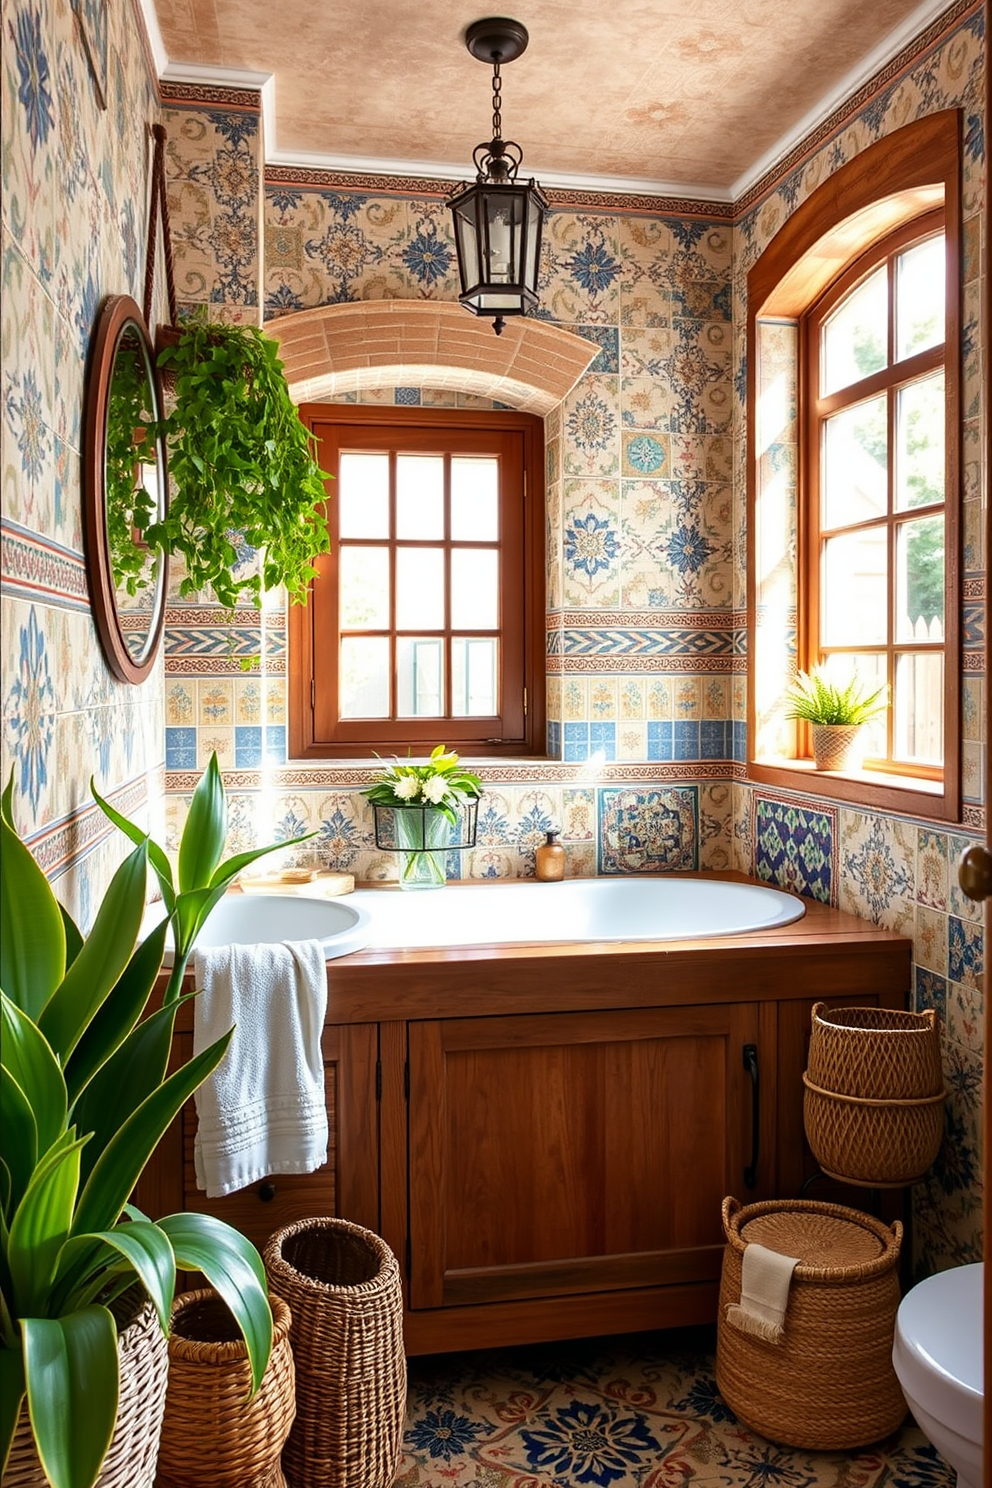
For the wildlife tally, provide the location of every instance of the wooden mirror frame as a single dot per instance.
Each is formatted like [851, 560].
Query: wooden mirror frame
[118, 314]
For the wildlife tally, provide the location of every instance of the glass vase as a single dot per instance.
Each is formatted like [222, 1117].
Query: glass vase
[422, 838]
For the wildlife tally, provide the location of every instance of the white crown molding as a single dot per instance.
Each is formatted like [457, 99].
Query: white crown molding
[232, 77]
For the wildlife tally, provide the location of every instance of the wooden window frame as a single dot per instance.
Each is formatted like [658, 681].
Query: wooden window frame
[819, 407]
[901, 179]
[315, 731]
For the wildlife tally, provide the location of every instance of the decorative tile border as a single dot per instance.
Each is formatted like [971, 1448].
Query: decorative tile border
[67, 841]
[37, 567]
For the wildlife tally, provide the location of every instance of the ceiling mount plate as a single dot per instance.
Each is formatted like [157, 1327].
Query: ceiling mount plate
[496, 40]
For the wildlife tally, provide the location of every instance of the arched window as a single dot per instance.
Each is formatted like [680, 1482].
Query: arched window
[853, 423]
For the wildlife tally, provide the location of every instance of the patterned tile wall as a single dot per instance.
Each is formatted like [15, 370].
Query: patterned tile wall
[74, 175]
[893, 872]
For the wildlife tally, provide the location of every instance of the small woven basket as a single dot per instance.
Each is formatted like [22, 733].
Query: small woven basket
[828, 1385]
[130, 1459]
[837, 746]
[342, 1285]
[874, 1101]
[215, 1433]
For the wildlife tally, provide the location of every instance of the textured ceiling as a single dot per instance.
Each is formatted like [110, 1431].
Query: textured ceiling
[684, 94]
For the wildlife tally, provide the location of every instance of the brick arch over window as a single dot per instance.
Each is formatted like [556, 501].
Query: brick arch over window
[337, 349]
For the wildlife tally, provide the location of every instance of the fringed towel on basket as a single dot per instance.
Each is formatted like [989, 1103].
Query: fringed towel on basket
[765, 1280]
[263, 1110]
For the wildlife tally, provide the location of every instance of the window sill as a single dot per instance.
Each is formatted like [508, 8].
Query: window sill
[909, 796]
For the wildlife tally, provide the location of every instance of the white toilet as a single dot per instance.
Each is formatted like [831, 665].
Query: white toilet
[937, 1357]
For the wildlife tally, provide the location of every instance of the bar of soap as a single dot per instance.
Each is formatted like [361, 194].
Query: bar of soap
[333, 884]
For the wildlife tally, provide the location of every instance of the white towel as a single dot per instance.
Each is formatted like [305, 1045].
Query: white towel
[262, 1110]
[765, 1280]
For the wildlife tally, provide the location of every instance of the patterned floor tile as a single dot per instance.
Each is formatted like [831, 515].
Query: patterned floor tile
[630, 1412]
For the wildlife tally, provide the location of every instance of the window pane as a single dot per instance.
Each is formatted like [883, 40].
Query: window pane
[855, 458]
[474, 500]
[920, 291]
[855, 338]
[364, 680]
[919, 707]
[420, 496]
[363, 495]
[474, 588]
[920, 580]
[920, 456]
[869, 668]
[420, 677]
[473, 677]
[854, 600]
[420, 588]
[364, 588]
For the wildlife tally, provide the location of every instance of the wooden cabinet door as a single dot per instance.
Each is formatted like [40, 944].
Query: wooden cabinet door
[346, 1185]
[575, 1152]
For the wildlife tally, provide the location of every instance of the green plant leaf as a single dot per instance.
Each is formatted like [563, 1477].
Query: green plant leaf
[73, 937]
[146, 1252]
[72, 1374]
[233, 866]
[105, 953]
[20, 1139]
[29, 1058]
[11, 1395]
[205, 831]
[233, 1268]
[119, 1012]
[41, 1223]
[122, 1160]
[156, 856]
[119, 1088]
[32, 937]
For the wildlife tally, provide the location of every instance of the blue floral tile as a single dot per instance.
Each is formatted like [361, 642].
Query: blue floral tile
[965, 951]
[607, 338]
[275, 744]
[554, 740]
[603, 740]
[576, 741]
[794, 847]
[180, 749]
[686, 739]
[660, 742]
[930, 992]
[247, 746]
[650, 830]
[407, 397]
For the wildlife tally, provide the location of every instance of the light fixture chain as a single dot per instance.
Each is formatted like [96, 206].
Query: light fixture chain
[497, 88]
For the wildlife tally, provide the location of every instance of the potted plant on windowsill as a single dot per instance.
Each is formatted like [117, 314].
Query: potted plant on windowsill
[836, 711]
[241, 464]
[85, 1097]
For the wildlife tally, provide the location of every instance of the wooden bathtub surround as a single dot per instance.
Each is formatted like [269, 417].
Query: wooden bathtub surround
[544, 1134]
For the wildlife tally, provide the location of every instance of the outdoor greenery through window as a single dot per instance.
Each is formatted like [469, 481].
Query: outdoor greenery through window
[876, 473]
[424, 616]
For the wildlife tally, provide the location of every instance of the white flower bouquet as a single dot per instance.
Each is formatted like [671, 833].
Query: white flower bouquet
[424, 801]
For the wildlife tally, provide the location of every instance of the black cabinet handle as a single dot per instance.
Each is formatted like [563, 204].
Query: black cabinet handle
[751, 1065]
[267, 1192]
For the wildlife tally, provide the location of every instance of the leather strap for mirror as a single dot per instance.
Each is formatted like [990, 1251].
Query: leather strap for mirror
[159, 201]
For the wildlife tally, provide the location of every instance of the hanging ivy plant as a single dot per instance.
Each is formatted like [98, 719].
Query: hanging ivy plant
[241, 466]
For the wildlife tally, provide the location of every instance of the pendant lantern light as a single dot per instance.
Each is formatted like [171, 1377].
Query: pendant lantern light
[498, 219]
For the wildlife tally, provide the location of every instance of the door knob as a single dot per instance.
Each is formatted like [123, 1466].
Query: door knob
[975, 872]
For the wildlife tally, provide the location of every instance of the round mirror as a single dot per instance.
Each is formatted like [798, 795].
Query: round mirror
[125, 490]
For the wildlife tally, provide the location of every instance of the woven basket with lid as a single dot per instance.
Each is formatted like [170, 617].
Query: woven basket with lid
[828, 1385]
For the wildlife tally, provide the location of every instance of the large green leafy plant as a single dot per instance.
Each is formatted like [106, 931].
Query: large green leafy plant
[85, 1097]
[240, 463]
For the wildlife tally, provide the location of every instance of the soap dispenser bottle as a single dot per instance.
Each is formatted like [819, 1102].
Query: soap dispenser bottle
[549, 860]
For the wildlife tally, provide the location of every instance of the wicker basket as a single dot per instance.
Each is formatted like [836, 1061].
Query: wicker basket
[342, 1285]
[130, 1460]
[874, 1101]
[213, 1433]
[829, 1384]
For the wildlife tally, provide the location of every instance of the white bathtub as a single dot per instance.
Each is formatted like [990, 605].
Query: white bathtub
[579, 909]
